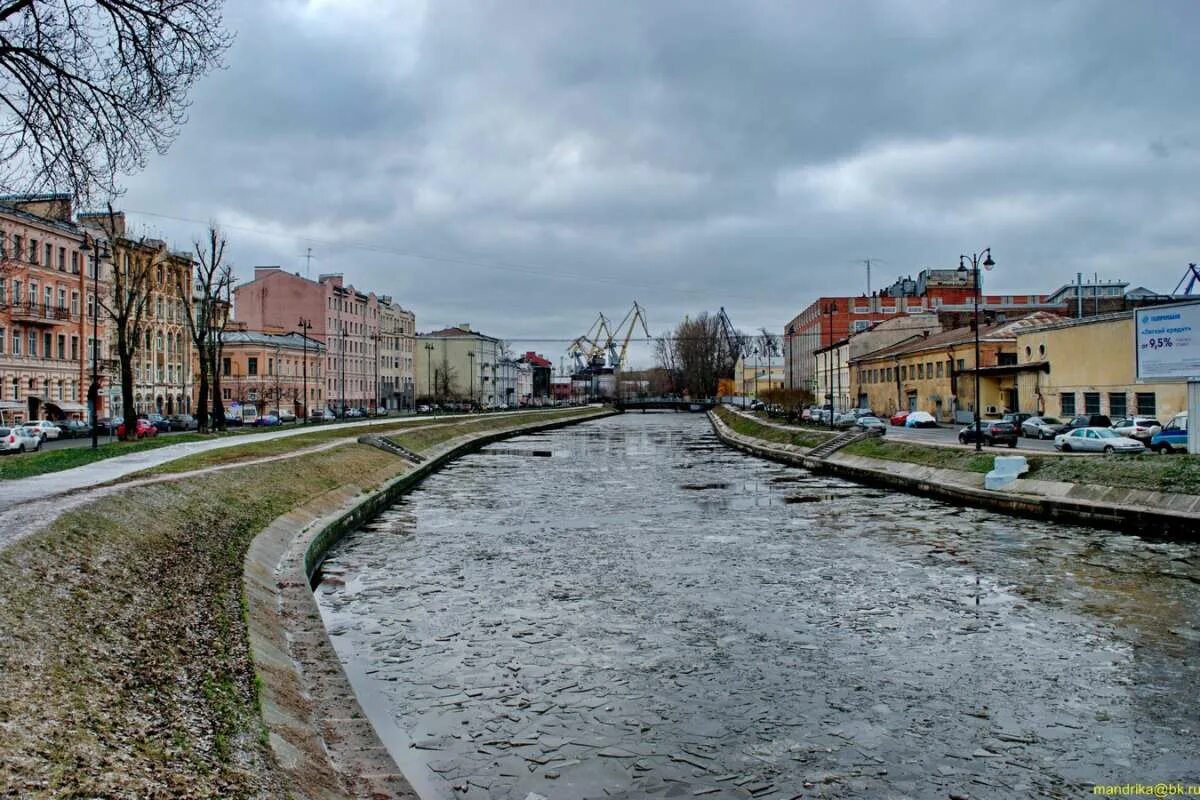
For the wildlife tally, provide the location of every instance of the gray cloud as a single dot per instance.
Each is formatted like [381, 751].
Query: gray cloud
[691, 154]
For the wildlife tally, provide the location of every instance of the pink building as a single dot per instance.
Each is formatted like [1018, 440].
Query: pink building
[342, 318]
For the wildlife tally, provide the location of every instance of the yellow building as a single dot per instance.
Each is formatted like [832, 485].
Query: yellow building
[752, 377]
[937, 372]
[1091, 369]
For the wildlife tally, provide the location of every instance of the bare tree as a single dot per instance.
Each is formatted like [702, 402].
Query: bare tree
[699, 353]
[127, 301]
[207, 312]
[88, 86]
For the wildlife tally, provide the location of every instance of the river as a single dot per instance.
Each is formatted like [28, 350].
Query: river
[627, 608]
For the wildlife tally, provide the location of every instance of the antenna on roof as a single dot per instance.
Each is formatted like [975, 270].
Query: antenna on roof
[308, 256]
[868, 261]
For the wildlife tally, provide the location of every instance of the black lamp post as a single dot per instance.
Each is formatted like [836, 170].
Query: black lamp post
[94, 389]
[830, 310]
[962, 266]
[305, 327]
[429, 369]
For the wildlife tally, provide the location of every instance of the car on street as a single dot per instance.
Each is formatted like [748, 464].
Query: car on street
[18, 439]
[1140, 428]
[74, 428]
[160, 423]
[144, 429]
[849, 418]
[1087, 421]
[1172, 438]
[233, 419]
[991, 432]
[182, 422]
[44, 428]
[1016, 418]
[285, 415]
[872, 424]
[1096, 440]
[109, 424]
[266, 421]
[899, 418]
[1042, 427]
[920, 419]
[424, 409]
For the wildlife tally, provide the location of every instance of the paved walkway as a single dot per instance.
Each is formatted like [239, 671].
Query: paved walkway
[39, 487]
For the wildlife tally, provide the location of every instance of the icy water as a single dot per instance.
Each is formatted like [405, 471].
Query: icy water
[627, 608]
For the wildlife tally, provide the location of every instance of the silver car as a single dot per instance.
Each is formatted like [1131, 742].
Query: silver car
[1042, 427]
[18, 439]
[1096, 440]
[872, 425]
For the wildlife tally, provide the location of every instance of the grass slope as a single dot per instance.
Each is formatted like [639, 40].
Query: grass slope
[800, 437]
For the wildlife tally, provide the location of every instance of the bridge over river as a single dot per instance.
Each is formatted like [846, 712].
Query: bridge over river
[627, 608]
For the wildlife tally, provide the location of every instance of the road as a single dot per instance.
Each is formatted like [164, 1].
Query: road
[948, 435]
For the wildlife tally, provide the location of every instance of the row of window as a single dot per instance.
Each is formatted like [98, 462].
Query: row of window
[35, 344]
[1145, 404]
[915, 372]
[357, 309]
[287, 368]
[66, 390]
[41, 256]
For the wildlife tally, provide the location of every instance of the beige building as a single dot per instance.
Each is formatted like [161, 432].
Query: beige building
[1089, 367]
[831, 365]
[397, 350]
[459, 364]
[754, 376]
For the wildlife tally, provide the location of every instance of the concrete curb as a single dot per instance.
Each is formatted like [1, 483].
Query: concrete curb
[319, 735]
[1127, 510]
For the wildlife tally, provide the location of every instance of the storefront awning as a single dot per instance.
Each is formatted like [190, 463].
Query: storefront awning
[65, 406]
[11, 405]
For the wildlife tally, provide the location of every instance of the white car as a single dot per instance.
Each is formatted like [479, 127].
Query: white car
[1096, 440]
[1140, 428]
[45, 428]
[18, 439]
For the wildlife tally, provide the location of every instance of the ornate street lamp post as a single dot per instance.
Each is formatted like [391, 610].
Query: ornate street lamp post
[962, 266]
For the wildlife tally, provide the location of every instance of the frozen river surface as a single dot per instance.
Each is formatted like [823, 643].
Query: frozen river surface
[626, 608]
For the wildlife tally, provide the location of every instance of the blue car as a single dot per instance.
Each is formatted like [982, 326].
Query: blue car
[267, 420]
[1173, 436]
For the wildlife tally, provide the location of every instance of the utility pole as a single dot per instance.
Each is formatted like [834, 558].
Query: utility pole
[342, 348]
[305, 326]
[375, 340]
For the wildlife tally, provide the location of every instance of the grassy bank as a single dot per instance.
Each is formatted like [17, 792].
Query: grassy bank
[1175, 473]
[126, 665]
[749, 427]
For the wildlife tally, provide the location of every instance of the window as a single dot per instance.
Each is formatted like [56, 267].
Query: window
[225, 367]
[921, 371]
[1117, 404]
[16, 349]
[74, 262]
[939, 369]
[3, 245]
[32, 344]
[1066, 401]
[62, 259]
[74, 348]
[62, 346]
[861, 325]
[962, 364]
[1146, 405]
[75, 303]
[1091, 402]
[3, 333]
[252, 366]
[225, 392]
[17, 251]
[62, 298]
[1006, 359]
[33, 251]
[47, 351]
[904, 373]
[928, 369]
[48, 253]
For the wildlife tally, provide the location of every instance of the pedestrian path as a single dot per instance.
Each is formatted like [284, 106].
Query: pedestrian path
[17, 492]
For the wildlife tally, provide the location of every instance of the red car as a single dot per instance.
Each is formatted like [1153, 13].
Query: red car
[898, 418]
[145, 428]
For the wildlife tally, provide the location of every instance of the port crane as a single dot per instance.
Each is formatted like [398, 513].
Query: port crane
[616, 359]
[1191, 277]
[588, 350]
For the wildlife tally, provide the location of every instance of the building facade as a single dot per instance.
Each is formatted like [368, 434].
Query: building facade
[461, 364]
[752, 376]
[46, 317]
[397, 349]
[830, 319]
[345, 320]
[1090, 368]
[272, 371]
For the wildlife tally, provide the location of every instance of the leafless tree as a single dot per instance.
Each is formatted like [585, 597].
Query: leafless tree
[699, 353]
[87, 87]
[207, 308]
[127, 302]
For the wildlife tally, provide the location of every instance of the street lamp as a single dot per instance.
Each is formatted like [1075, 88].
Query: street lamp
[305, 327]
[100, 250]
[962, 267]
[471, 360]
[830, 310]
[429, 368]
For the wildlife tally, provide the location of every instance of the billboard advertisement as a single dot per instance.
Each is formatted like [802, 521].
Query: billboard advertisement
[1168, 342]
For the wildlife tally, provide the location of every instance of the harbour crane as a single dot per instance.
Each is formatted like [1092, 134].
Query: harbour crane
[1191, 276]
[588, 350]
[616, 358]
[733, 345]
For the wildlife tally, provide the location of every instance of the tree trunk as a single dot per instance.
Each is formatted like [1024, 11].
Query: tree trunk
[202, 405]
[218, 410]
[128, 411]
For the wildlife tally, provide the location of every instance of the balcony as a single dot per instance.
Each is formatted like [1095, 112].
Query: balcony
[38, 314]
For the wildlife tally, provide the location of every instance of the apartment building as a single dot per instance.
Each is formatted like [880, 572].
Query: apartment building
[397, 348]
[459, 363]
[272, 370]
[45, 310]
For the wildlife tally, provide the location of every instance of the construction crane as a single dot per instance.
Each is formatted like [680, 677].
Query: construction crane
[587, 350]
[733, 345]
[1190, 276]
[616, 358]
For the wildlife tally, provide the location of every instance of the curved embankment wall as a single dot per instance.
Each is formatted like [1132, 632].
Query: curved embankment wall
[1128, 510]
[318, 733]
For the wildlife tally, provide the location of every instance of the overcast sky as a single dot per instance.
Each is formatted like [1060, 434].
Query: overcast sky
[523, 166]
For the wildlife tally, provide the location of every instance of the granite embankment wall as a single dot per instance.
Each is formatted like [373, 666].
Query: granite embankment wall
[318, 733]
[1129, 510]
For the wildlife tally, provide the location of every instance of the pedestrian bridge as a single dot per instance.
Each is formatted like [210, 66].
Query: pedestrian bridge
[662, 404]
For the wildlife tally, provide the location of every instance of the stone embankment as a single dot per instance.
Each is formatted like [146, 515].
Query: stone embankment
[1125, 509]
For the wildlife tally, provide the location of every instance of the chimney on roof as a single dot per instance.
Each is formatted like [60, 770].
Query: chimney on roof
[262, 272]
[113, 226]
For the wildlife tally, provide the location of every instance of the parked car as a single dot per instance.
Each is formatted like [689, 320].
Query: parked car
[991, 431]
[182, 422]
[285, 415]
[1172, 438]
[1042, 427]
[1096, 440]
[1088, 421]
[109, 424]
[899, 418]
[74, 428]
[233, 419]
[144, 429]
[1017, 418]
[424, 409]
[872, 424]
[266, 421]
[920, 419]
[1140, 428]
[160, 423]
[44, 428]
[18, 439]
